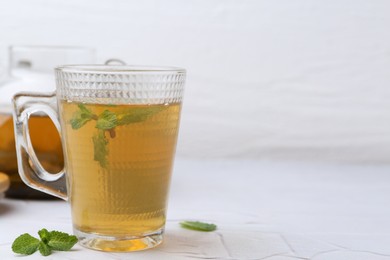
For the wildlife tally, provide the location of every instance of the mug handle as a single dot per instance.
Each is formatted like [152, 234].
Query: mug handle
[31, 170]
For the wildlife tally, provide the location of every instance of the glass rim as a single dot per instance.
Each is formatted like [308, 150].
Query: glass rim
[102, 68]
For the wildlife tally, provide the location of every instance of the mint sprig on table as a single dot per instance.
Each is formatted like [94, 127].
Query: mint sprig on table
[198, 226]
[107, 122]
[50, 241]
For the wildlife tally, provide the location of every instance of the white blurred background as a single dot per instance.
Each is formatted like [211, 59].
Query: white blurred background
[283, 79]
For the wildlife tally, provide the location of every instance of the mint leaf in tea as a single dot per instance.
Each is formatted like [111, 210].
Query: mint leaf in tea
[138, 114]
[81, 117]
[100, 149]
[119, 164]
[108, 121]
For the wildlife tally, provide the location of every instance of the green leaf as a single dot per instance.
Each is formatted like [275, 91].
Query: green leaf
[81, 117]
[106, 120]
[61, 241]
[44, 249]
[100, 148]
[44, 235]
[135, 115]
[199, 226]
[78, 122]
[84, 109]
[25, 244]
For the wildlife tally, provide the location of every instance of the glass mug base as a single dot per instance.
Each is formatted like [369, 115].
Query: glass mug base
[119, 244]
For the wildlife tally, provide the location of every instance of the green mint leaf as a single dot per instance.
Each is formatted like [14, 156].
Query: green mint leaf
[136, 115]
[25, 244]
[81, 117]
[106, 120]
[61, 241]
[44, 249]
[44, 235]
[100, 148]
[78, 122]
[199, 226]
[84, 109]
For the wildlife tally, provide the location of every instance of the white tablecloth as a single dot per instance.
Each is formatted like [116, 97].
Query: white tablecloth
[264, 210]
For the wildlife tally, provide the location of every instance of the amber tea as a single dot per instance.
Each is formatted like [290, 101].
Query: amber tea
[119, 165]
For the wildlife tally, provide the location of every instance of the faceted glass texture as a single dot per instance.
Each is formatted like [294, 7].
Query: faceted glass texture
[120, 84]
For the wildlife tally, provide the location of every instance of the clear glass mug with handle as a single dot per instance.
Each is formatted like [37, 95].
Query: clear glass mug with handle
[118, 126]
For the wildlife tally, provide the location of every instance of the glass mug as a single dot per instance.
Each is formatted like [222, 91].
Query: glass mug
[118, 126]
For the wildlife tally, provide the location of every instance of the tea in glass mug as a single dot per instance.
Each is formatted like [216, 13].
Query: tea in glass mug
[119, 126]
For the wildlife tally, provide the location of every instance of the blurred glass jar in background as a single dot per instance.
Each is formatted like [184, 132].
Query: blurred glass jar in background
[31, 68]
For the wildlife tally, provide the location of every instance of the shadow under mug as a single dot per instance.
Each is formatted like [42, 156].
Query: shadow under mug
[118, 126]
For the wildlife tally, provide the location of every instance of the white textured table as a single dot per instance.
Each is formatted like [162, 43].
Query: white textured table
[264, 210]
